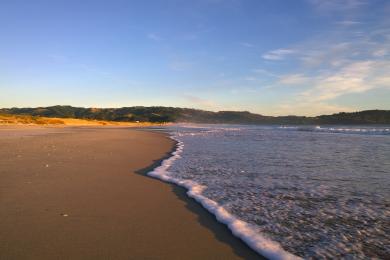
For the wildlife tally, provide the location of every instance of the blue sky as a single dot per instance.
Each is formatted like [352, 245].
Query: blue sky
[271, 57]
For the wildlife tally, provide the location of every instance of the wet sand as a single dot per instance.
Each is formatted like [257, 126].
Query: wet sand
[82, 193]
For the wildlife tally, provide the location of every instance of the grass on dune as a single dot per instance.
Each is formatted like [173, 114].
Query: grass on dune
[6, 119]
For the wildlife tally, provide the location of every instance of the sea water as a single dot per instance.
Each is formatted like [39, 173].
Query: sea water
[290, 191]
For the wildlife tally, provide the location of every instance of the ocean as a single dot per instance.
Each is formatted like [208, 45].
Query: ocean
[290, 191]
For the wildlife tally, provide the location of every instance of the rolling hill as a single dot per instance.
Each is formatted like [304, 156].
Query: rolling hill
[174, 114]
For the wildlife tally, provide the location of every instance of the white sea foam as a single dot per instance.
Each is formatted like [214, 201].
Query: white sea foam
[239, 228]
[347, 130]
[316, 195]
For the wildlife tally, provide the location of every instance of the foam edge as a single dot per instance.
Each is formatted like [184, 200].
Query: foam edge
[260, 244]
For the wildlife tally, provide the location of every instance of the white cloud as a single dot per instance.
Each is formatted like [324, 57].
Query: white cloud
[353, 78]
[356, 77]
[352, 58]
[278, 54]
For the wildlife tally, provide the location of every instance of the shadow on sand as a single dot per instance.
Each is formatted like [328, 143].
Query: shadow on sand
[205, 218]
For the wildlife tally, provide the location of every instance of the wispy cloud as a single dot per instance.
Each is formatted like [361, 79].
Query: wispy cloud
[350, 59]
[353, 78]
[356, 77]
[278, 54]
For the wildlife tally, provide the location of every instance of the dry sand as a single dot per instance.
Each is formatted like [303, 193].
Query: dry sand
[81, 193]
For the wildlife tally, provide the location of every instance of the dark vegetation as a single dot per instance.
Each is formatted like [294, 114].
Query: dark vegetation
[174, 114]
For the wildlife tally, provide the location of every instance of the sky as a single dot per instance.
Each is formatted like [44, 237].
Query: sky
[272, 57]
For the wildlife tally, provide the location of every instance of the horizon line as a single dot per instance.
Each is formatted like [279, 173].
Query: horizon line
[237, 111]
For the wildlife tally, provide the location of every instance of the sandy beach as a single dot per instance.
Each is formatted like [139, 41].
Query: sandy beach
[82, 193]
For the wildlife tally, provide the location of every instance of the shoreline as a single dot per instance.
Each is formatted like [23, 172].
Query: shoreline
[92, 200]
[260, 244]
[211, 219]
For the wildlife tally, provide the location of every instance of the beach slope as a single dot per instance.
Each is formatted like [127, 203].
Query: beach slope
[82, 193]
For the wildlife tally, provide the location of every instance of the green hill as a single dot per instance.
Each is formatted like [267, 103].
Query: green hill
[174, 114]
